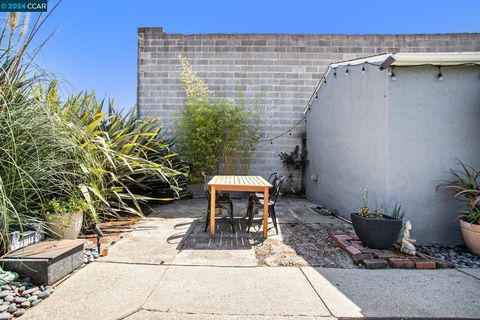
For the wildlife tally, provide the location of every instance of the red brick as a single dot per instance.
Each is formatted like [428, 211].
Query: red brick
[401, 263]
[351, 250]
[444, 265]
[358, 258]
[342, 237]
[425, 264]
[385, 254]
[375, 263]
[343, 244]
[361, 247]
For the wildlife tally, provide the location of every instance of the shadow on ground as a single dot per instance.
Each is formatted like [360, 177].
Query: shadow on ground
[303, 238]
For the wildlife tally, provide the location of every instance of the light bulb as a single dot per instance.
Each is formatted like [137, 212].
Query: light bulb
[440, 75]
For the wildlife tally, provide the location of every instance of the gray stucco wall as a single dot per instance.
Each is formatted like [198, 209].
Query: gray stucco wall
[431, 124]
[412, 130]
[347, 139]
[283, 67]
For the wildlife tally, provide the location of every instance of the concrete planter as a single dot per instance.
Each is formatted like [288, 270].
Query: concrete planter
[66, 226]
[471, 236]
[19, 238]
[376, 233]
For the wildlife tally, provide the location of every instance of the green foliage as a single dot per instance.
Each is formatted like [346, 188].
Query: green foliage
[39, 157]
[367, 213]
[129, 155]
[65, 207]
[398, 212]
[70, 151]
[212, 131]
[465, 187]
[379, 213]
[293, 160]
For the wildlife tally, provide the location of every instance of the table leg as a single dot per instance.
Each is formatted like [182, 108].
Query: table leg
[265, 213]
[212, 211]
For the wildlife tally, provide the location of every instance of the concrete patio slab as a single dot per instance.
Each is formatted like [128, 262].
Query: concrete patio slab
[298, 210]
[187, 208]
[244, 291]
[215, 257]
[474, 272]
[155, 241]
[154, 315]
[100, 291]
[397, 293]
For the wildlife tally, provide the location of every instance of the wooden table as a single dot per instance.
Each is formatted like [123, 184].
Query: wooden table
[242, 184]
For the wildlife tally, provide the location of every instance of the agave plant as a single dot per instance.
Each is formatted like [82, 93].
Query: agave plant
[465, 187]
[129, 153]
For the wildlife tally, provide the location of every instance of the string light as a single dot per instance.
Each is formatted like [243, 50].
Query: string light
[392, 76]
[289, 131]
[390, 71]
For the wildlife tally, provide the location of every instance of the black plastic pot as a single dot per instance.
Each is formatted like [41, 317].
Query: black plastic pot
[376, 233]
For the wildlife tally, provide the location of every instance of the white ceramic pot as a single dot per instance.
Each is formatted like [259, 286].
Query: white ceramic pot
[66, 226]
[471, 236]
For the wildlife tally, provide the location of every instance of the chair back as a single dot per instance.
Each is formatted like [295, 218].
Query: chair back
[276, 188]
[206, 179]
[272, 178]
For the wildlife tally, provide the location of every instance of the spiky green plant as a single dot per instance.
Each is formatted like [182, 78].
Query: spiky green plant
[53, 150]
[39, 158]
[130, 154]
[465, 188]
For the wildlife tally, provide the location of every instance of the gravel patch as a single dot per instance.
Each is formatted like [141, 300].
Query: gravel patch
[459, 256]
[304, 245]
[19, 295]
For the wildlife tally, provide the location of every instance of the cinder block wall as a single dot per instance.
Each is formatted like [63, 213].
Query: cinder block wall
[285, 68]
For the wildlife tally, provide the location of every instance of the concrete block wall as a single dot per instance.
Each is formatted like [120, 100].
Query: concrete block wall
[284, 68]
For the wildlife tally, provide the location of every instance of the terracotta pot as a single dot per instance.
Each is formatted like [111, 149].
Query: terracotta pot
[471, 236]
[66, 226]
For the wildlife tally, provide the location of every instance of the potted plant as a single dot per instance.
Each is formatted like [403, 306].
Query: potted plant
[376, 229]
[465, 187]
[64, 218]
[294, 162]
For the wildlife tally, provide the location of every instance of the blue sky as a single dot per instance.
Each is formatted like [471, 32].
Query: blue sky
[95, 45]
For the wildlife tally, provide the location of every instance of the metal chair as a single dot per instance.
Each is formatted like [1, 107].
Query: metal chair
[271, 179]
[257, 203]
[219, 195]
[220, 203]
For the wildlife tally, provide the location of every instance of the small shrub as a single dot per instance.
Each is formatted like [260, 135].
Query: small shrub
[213, 131]
[379, 213]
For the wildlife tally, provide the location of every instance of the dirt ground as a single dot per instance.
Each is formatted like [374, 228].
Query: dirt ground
[304, 245]
[113, 230]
